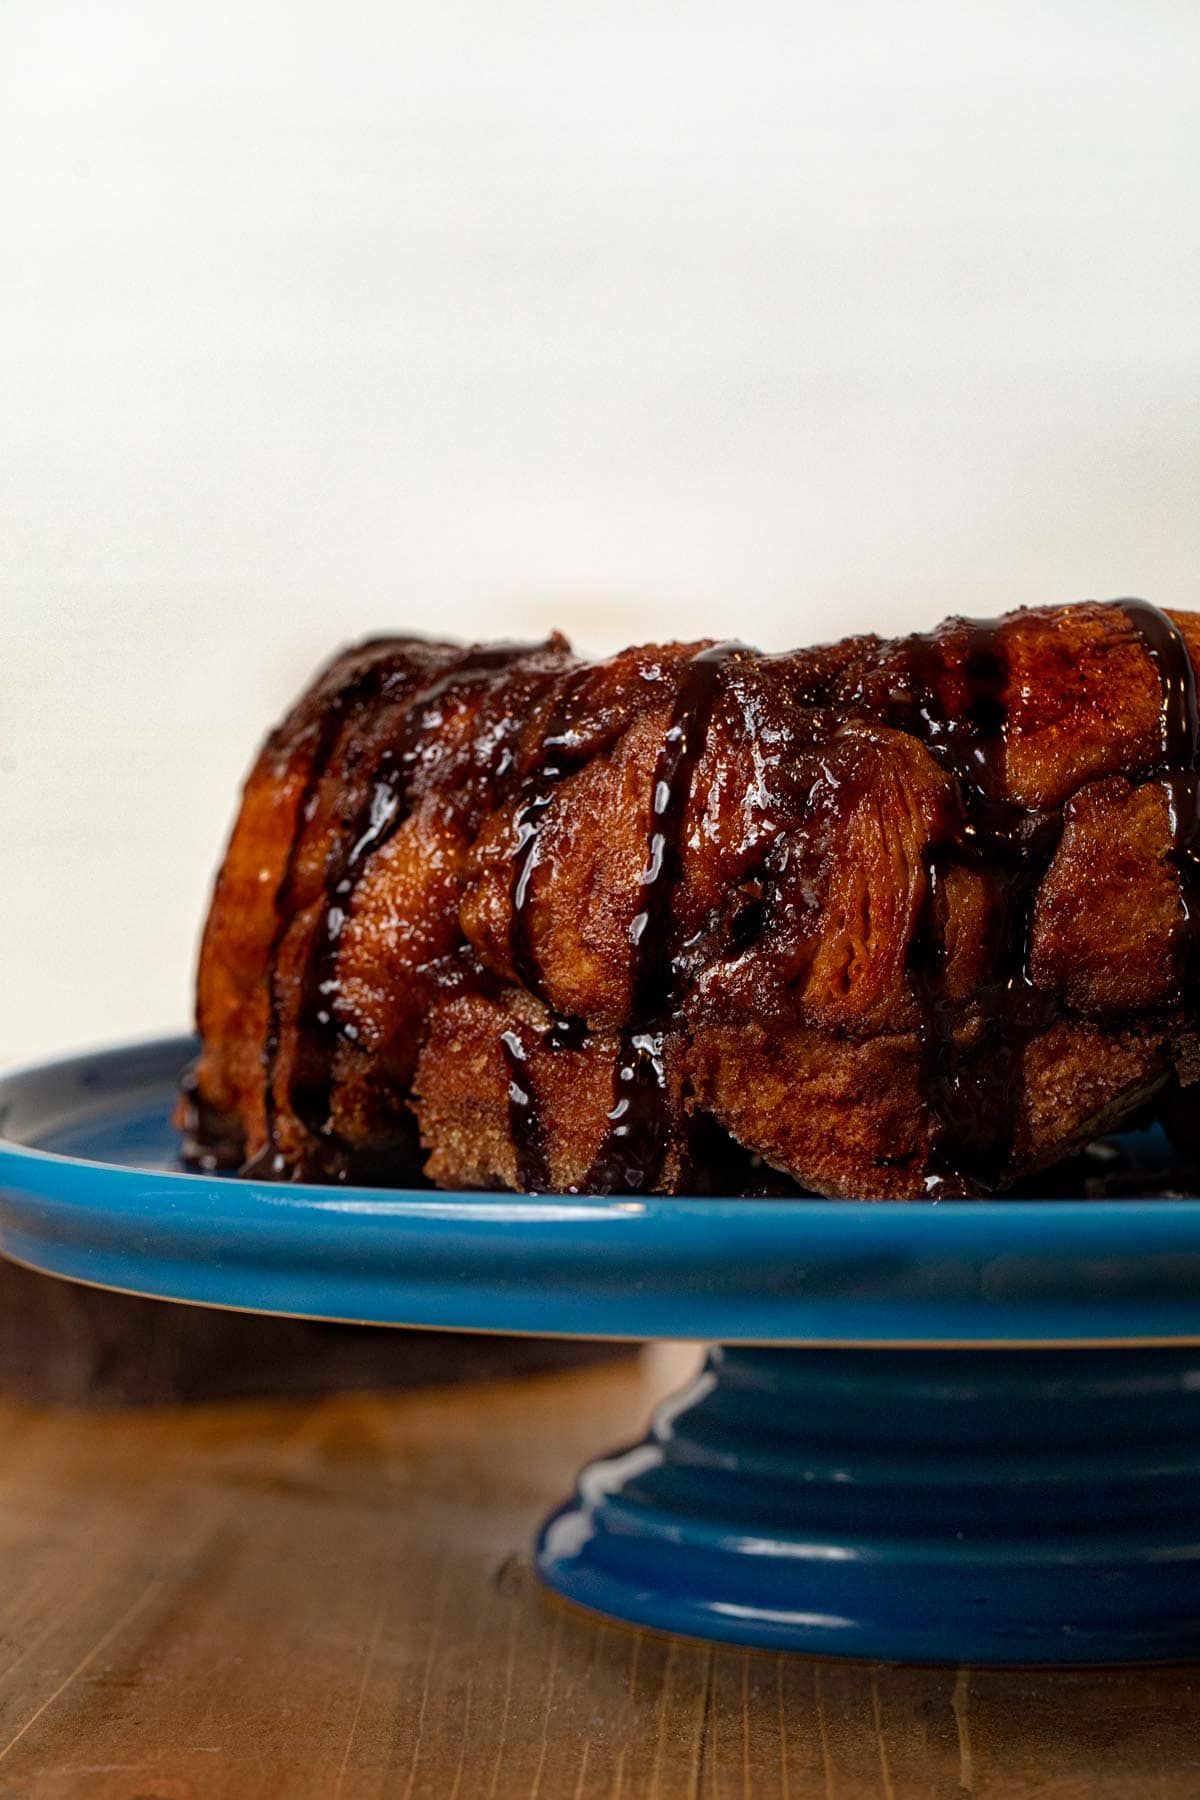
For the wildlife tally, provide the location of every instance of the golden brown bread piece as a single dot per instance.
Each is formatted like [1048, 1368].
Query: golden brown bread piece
[892, 918]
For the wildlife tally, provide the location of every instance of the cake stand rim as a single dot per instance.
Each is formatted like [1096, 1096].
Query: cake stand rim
[972, 1274]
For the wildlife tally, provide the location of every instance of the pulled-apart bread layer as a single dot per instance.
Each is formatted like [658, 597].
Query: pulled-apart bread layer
[890, 918]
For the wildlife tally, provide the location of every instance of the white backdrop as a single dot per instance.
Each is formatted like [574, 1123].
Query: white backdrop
[777, 320]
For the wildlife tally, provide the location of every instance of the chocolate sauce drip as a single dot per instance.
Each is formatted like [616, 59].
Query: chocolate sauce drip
[213, 1141]
[634, 1147]
[525, 1125]
[971, 1053]
[1179, 757]
[631, 1155]
[561, 756]
[269, 1163]
[1179, 718]
[652, 931]
[383, 811]
[974, 1088]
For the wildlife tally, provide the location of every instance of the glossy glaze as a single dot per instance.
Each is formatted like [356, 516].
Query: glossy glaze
[790, 932]
[384, 807]
[631, 1154]
[363, 685]
[560, 756]
[1178, 766]
[525, 1126]
[973, 1089]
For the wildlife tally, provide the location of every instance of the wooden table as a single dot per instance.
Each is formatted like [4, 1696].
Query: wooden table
[334, 1599]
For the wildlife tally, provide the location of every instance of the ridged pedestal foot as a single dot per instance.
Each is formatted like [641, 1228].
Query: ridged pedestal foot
[996, 1506]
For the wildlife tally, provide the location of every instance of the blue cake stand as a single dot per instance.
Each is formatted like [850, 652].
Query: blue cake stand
[956, 1431]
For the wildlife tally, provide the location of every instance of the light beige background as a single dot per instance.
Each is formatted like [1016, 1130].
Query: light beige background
[773, 320]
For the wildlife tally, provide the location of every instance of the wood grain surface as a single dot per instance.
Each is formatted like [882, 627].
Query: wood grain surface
[333, 1599]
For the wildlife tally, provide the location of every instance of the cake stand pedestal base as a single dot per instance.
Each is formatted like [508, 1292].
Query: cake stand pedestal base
[987, 1506]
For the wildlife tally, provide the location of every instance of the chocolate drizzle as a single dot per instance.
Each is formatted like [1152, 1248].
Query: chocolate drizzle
[526, 1127]
[1179, 719]
[524, 1120]
[631, 1155]
[269, 1163]
[973, 1045]
[383, 810]
[973, 1087]
[1179, 755]
[652, 978]
[561, 755]
[634, 1147]
[212, 1141]
[973, 1084]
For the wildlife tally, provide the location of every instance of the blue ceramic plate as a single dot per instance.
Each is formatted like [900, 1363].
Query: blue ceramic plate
[90, 1189]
